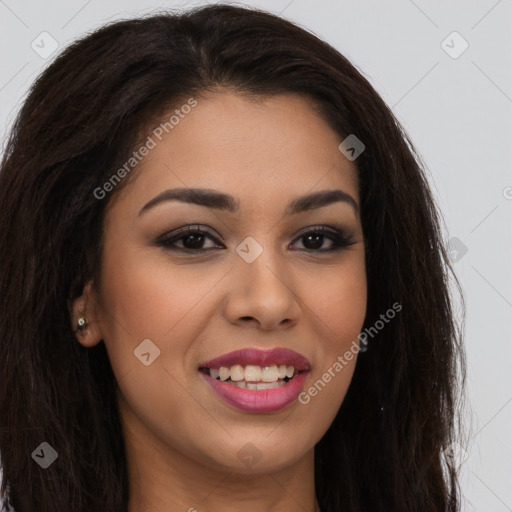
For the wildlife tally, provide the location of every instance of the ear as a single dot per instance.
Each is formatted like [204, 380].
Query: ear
[85, 306]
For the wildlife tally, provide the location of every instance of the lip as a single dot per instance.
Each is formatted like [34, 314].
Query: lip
[259, 357]
[258, 401]
[265, 400]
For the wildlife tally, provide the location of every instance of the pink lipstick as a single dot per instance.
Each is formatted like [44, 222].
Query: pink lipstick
[256, 380]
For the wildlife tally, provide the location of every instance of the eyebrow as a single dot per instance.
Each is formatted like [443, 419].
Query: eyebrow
[210, 198]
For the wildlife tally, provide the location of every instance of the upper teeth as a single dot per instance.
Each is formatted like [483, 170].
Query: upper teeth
[252, 373]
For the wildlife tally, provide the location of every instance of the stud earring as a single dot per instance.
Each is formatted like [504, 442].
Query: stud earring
[82, 323]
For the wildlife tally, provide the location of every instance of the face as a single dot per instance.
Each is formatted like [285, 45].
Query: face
[202, 302]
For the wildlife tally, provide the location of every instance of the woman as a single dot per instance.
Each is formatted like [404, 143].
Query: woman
[223, 281]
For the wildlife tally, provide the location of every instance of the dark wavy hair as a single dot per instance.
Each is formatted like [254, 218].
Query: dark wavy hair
[385, 450]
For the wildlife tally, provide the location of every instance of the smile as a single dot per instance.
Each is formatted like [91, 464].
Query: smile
[255, 380]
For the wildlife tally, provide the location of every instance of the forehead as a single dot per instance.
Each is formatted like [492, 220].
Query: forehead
[260, 150]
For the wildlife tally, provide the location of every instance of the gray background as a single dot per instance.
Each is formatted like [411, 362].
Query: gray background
[458, 114]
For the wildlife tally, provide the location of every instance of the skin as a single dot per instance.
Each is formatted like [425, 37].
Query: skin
[182, 441]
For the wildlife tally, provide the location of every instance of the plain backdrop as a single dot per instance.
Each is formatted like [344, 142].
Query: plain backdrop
[445, 68]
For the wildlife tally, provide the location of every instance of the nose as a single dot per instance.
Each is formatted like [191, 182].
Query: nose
[262, 294]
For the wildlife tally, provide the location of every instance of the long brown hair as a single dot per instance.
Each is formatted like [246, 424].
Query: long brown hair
[83, 116]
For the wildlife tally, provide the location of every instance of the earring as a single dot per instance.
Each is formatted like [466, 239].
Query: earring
[82, 323]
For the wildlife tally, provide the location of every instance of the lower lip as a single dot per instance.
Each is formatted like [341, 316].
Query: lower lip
[263, 400]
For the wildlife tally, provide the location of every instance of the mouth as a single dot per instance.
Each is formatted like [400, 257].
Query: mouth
[255, 380]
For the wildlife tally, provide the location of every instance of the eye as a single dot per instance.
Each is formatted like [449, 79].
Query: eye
[315, 237]
[191, 239]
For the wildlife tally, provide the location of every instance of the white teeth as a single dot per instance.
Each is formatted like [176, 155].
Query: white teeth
[237, 372]
[273, 385]
[266, 385]
[253, 373]
[270, 373]
[224, 373]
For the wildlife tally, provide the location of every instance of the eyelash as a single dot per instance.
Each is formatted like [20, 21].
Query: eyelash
[339, 239]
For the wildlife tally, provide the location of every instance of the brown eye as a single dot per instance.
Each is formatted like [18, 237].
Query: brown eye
[192, 239]
[315, 238]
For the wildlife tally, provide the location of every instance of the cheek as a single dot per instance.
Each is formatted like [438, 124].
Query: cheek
[337, 301]
[149, 298]
[338, 309]
[152, 296]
